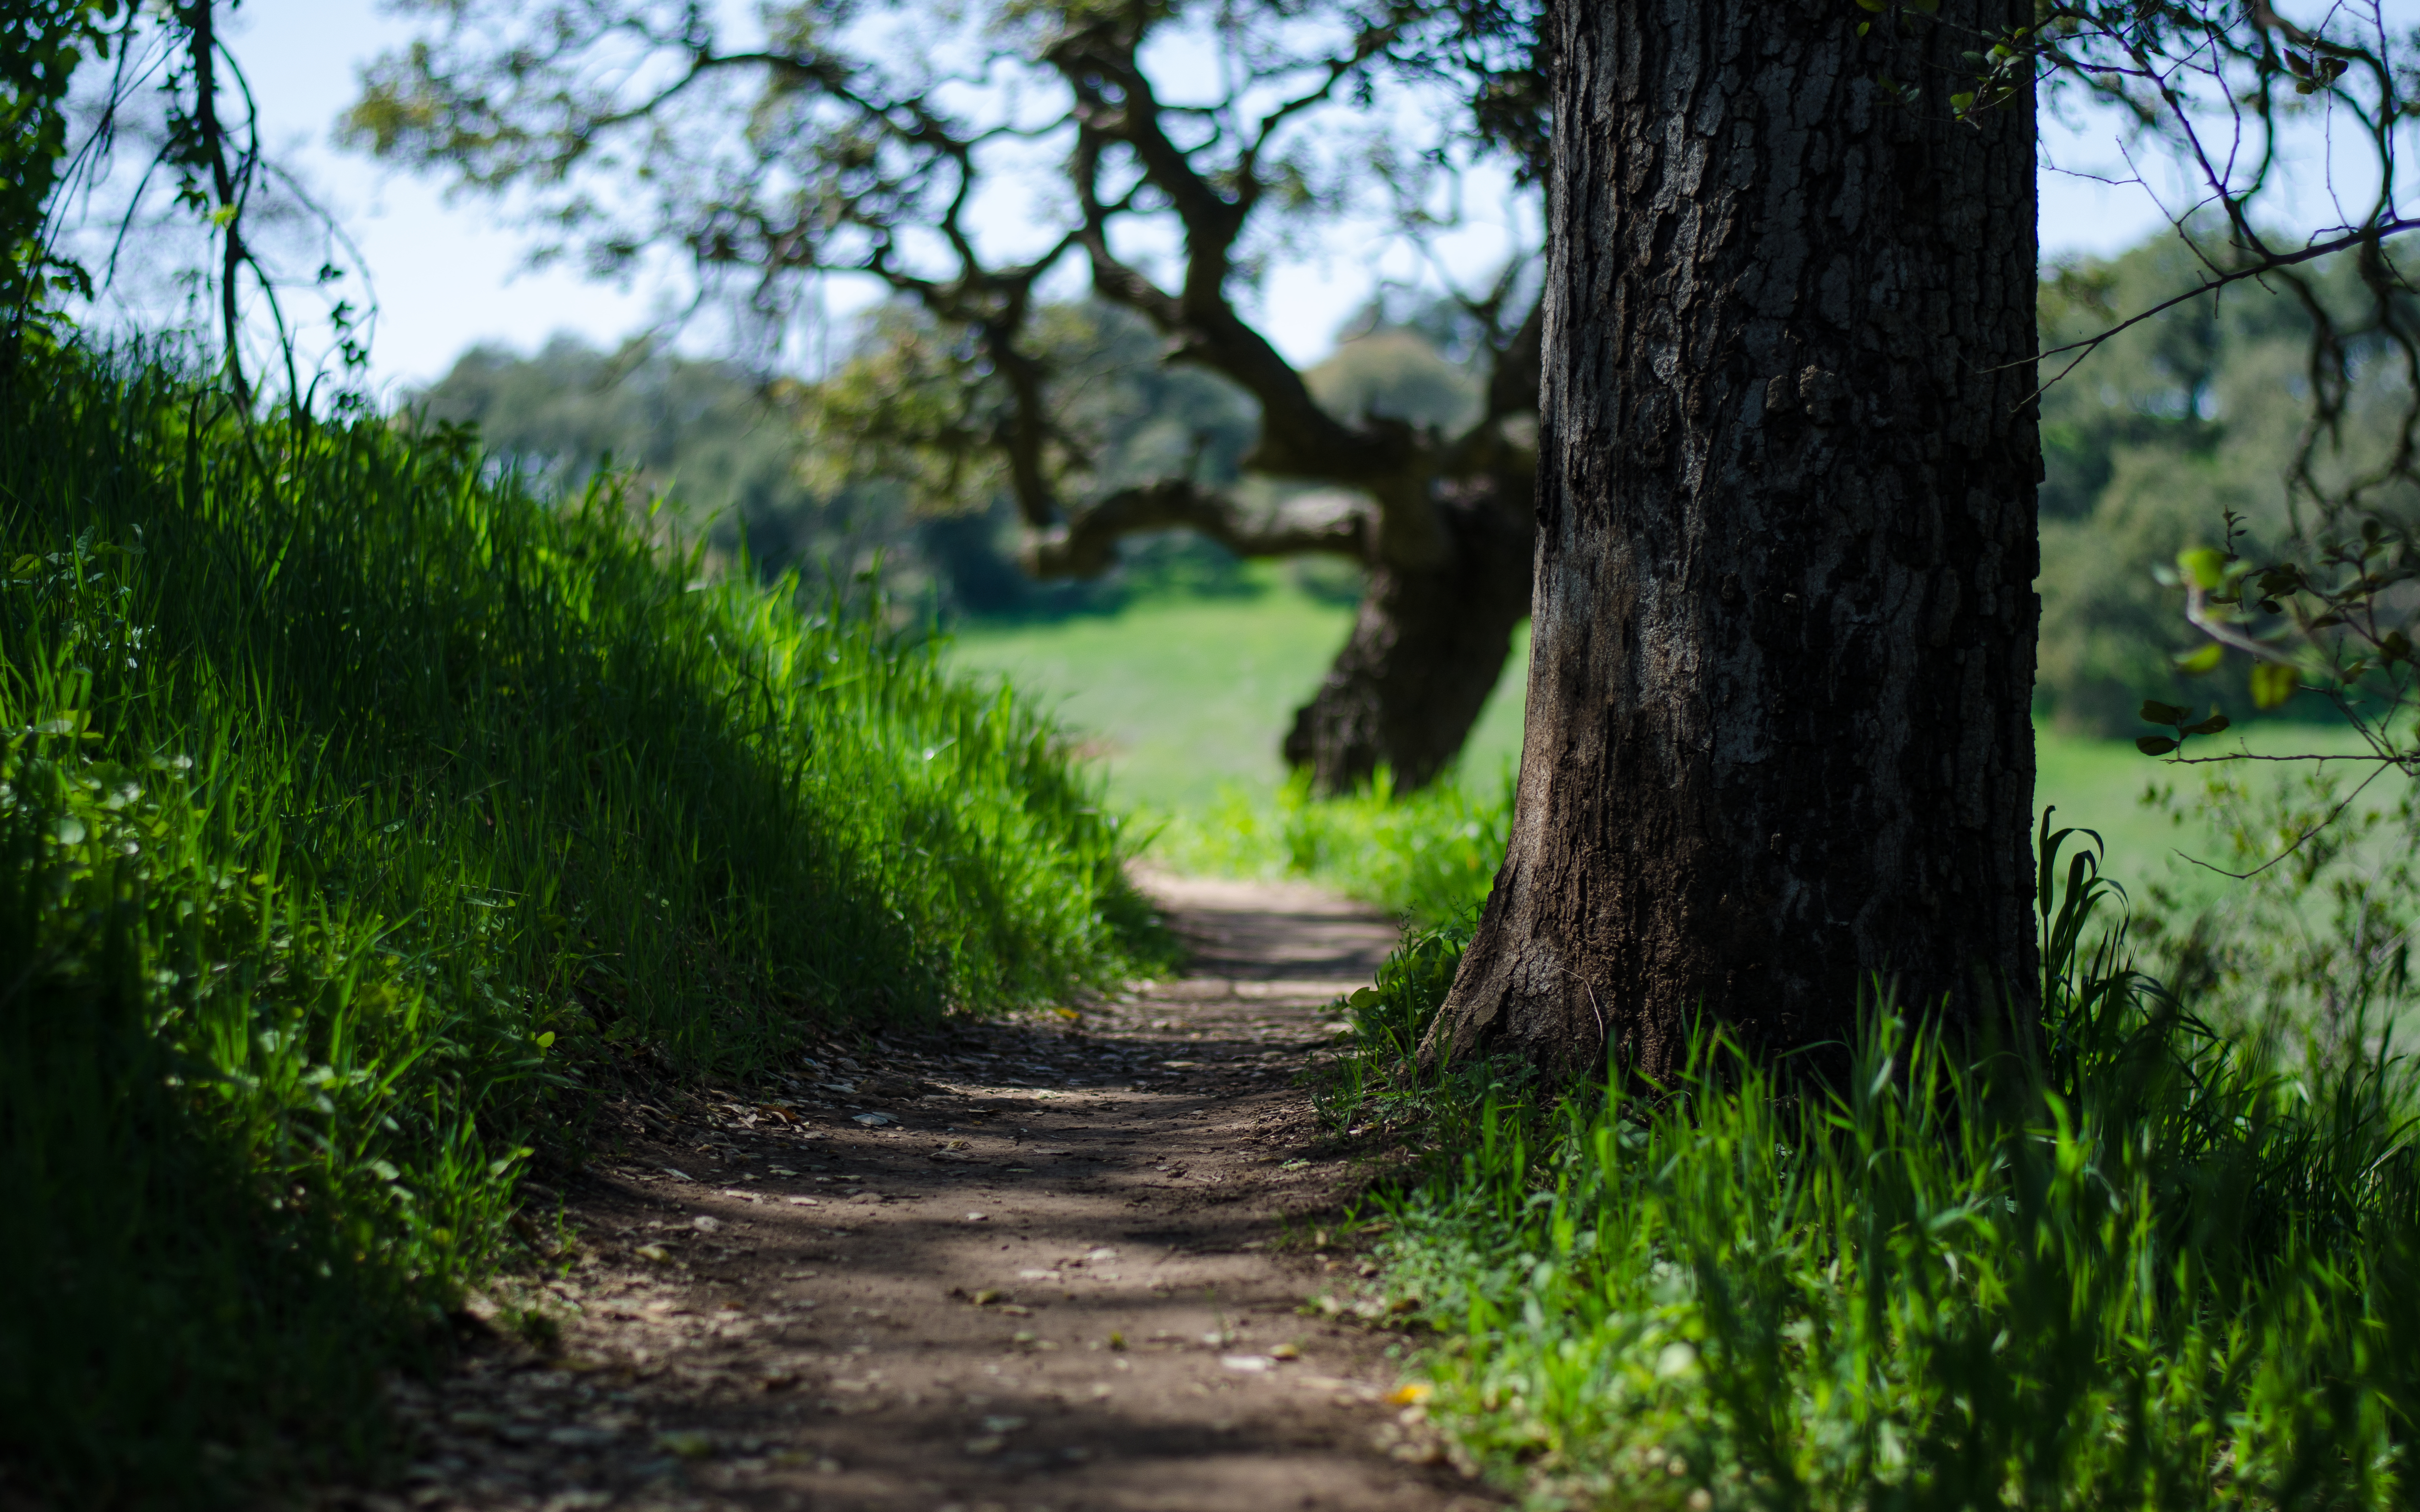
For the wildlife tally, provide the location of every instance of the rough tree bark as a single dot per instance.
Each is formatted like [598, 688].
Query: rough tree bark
[1783, 642]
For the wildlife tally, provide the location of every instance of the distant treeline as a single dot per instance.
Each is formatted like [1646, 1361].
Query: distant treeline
[2147, 444]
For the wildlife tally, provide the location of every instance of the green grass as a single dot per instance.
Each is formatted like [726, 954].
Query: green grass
[2102, 784]
[1184, 701]
[362, 812]
[2124, 1262]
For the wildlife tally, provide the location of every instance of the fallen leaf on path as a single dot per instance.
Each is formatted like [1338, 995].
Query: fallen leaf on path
[803, 1202]
[976, 1217]
[686, 1444]
[1410, 1393]
[1249, 1363]
[678, 1176]
[991, 1443]
[656, 1254]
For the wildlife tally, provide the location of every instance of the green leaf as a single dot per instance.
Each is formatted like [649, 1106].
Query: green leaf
[2273, 683]
[2205, 566]
[2154, 745]
[2195, 663]
[2210, 726]
[2155, 712]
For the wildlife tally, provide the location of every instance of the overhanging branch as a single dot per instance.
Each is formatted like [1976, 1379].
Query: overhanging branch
[1087, 545]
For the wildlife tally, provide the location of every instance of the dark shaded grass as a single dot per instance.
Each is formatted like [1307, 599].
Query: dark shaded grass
[381, 805]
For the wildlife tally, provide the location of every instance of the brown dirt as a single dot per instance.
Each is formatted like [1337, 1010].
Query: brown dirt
[810, 1314]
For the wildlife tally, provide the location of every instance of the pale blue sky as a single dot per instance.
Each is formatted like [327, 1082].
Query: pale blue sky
[449, 275]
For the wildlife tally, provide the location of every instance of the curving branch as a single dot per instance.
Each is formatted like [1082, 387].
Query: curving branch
[1087, 545]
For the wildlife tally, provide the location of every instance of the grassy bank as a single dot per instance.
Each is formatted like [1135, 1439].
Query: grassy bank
[360, 810]
[2132, 1263]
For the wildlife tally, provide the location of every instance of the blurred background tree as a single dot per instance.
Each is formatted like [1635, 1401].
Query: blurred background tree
[1146, 160]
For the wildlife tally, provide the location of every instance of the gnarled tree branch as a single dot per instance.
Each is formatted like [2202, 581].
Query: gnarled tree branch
[1087, 545]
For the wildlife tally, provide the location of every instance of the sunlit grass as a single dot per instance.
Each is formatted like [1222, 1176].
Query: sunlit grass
[2118, 1261]
[362, 811]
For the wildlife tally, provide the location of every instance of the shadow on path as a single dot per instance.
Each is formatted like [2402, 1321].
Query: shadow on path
[1023, 1266]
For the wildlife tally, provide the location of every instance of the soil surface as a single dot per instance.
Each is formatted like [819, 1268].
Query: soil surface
[1066, 1263]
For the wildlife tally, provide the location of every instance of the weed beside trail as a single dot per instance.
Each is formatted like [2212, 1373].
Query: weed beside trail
[359, 808]
[2126, 1263]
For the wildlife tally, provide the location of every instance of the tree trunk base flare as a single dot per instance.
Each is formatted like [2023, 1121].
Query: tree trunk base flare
[1428, 645]
[1778, 742]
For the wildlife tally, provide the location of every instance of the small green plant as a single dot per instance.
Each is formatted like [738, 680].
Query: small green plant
[1387, 1020]
[1428, 856]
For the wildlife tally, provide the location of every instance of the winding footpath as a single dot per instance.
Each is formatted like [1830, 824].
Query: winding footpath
[1048, 1265]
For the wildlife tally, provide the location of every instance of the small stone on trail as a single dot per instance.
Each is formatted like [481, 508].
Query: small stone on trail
[875, 1120]
[1249, 1363]
[704, 1223]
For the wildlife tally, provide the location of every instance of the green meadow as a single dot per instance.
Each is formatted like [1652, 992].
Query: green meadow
[1183, 700]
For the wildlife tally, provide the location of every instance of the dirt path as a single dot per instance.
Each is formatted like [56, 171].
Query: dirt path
[1018, 1267]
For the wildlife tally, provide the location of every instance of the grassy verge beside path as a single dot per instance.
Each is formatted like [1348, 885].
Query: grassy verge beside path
[359, 811]
[2132, 1264]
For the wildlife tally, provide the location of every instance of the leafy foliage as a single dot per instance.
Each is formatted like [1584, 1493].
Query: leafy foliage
[2168, 426]
[42, 43]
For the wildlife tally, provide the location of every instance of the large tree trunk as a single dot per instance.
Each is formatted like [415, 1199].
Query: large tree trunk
[1428, 645]
[1783, 642]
